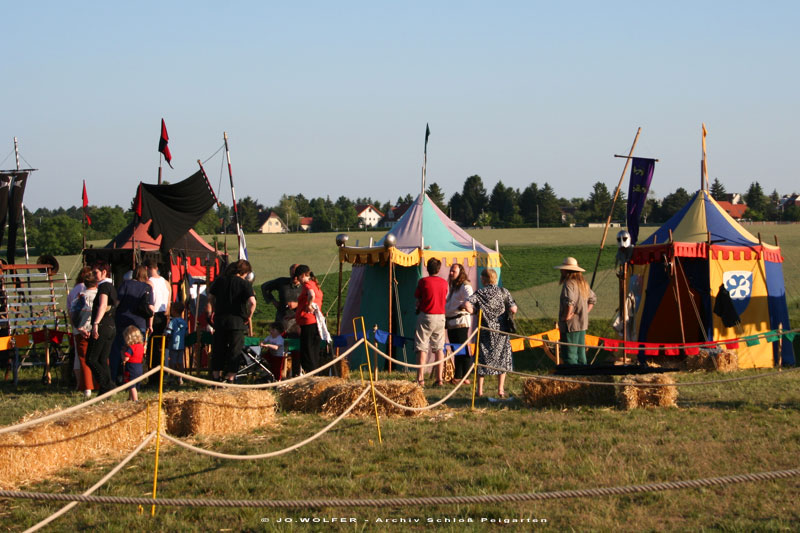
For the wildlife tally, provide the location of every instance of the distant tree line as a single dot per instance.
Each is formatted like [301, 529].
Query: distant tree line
[60, 231]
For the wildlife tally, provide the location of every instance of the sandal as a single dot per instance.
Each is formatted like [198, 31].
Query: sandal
[421, 383]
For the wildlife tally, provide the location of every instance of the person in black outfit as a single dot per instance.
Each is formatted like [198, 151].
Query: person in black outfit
[234, 303]
[103, 329]
[289, 290]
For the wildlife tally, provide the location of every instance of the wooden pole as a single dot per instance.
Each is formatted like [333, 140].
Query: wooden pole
[613, 202]
[233, 195]
[391, 287]
[676, 289]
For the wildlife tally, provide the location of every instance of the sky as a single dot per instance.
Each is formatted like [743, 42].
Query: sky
[332, 98]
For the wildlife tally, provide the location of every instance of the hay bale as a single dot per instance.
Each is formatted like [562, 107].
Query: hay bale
[550, 393]
[106, 430]
[218, 412]
[726, 361]
[342, 396]
[631, 397]
[308, 395]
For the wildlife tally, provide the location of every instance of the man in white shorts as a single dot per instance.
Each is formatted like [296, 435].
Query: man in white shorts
[431, 295]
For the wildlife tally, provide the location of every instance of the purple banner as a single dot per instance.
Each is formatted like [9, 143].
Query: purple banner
[641, 175]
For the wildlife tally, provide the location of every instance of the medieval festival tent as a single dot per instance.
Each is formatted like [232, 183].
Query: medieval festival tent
[162, 230]
[385, 275]
[702, 277]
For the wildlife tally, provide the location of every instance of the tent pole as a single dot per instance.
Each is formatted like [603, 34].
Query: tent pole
[391, 281]
[613, 202]
[675, 288]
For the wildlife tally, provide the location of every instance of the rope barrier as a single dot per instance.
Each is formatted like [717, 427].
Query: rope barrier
[263, 385]
[608, 384]
[426, 365]
[416, 501]
[80, 406]
[433, 405]
[269, 454]
[94, 487]
[636, 345]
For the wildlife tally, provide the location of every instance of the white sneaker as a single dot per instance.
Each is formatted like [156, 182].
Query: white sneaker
[87, 393]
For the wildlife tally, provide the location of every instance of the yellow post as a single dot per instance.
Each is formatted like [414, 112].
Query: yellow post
[477, 350]
[158, 425]
[371, 383]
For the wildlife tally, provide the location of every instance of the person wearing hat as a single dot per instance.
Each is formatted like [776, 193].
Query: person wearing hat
[577, 300]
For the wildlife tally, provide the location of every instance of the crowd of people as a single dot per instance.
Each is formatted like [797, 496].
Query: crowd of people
[110, 325]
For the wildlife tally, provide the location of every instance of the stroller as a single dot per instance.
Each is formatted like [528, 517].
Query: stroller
[253, 368]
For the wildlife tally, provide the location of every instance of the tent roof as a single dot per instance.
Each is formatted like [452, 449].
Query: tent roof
[699, 221]
[425, 219]
[424, 231]
[190, 242]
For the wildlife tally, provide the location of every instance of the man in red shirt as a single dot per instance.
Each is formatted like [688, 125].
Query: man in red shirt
[431, 295]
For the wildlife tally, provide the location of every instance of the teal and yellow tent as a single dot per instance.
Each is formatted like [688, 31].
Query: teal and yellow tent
[702, 277]
[384, 276]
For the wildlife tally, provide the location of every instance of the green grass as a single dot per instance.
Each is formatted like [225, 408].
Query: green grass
[718, 430]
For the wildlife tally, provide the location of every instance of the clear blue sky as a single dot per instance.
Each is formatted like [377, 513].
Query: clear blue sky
[331, 98]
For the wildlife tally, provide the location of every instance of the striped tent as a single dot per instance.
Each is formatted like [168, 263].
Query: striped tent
[384, 277]
[702, 277]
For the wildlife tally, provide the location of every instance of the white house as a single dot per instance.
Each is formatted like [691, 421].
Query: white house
[368, 215]
[270, 222]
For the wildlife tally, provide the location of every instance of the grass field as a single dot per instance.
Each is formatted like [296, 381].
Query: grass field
[718, 429]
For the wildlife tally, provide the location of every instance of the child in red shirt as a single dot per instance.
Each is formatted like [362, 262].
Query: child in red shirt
[132, 358]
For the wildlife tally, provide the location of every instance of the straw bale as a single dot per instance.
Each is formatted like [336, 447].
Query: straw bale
[401, 391]
[631, 397]
[218, 412]
[726, 361]
[104, 430]
[548, 393]
[307, 395]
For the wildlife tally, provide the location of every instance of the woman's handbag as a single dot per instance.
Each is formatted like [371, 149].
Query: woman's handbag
[511, 325]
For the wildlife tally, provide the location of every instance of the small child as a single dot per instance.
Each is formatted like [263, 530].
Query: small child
[272, 346]
[176, 335]
[132, 358]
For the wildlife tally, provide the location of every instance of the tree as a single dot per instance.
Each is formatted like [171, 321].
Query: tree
[209, 224]
[717, 190]
[528, 201]
[599, 202]
[436, 194]
[345, 216]
[287, 210]
[249, 210]
[503, 205]
[671, 204]
[756, 202]
[107, 221]
[460, 211]
[59, 235]
[549, 208]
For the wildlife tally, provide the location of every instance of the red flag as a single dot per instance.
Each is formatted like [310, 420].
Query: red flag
[85, 199]
[137, 208]
[162, 144]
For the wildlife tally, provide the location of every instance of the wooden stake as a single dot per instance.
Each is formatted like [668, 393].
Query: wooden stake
[613, 202]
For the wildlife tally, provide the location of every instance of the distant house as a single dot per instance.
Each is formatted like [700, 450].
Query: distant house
[305, 223]
[789, 200]
[270, 222]
[369, 215]
[736, 211]
[732, 197]
[393, 215]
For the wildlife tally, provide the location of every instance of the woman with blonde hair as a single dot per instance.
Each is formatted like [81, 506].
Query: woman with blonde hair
[577, 299]
[497, 306]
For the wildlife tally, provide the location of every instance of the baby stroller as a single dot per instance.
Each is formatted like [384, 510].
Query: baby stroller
[253, 368]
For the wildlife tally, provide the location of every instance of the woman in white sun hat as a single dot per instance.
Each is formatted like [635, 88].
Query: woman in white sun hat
[577, 299]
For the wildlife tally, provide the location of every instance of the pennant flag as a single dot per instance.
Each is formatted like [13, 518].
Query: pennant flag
[427, 134]
[85, 199]
[162, 144]
[137, 203]
[641, 176]
[518, 344]
[381, 337]
[242, 245]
